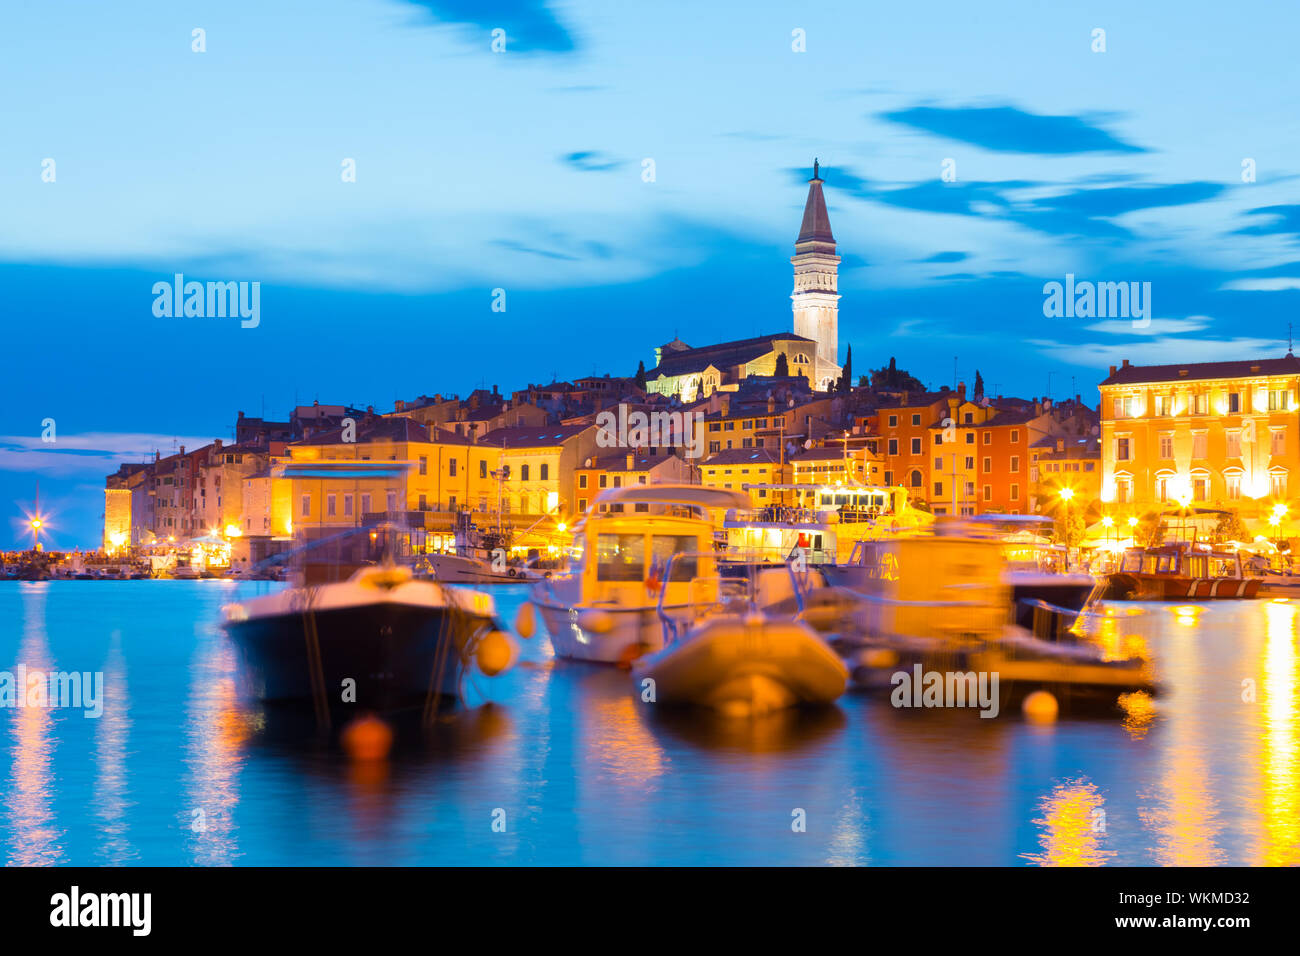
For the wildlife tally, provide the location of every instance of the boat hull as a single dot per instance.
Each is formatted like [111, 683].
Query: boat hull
[1130, 586]
[631, 632]
[399, 655]
[745, 668]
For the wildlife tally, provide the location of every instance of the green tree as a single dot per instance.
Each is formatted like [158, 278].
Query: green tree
[1229, 527]
[846, 378]
[979, 386]
[782, 366]
[895, 379]
[1150, 531]
[1069, 527]
[640, 375]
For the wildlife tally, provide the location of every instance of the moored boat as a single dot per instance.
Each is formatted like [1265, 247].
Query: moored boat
[379, 641]
[1181, 571]
[736, 659]
[606, 607]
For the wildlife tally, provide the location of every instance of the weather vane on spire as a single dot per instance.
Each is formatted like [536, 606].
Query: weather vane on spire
[816, 172]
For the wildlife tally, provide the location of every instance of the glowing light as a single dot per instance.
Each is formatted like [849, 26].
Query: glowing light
[1107, 521]
[561, 527]
[36, 524]
[233, 531]
[1067, 494]
[1132, 521]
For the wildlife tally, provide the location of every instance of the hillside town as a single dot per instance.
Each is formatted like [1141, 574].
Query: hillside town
[775, 415]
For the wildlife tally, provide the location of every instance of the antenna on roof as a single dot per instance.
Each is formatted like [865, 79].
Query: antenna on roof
[1288, 338]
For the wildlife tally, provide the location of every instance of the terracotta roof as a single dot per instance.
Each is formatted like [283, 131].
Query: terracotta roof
[373, 428]
[816, 226]
[1194, 371]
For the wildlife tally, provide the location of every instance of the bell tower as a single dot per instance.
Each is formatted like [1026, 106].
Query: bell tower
[815, 300]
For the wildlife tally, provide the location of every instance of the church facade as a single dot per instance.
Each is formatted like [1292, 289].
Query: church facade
[811, 349]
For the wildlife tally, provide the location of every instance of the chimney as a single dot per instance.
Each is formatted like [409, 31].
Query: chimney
[216, 443]
[1112, 370]
[241, 414]
[182, 449]
[961, 391]
[1126, 363]
[1060, 444]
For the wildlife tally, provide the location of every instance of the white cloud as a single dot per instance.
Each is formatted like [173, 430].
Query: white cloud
[1167, 350]
[1272, 284]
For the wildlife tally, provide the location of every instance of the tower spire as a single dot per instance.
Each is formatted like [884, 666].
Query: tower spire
[815, 299]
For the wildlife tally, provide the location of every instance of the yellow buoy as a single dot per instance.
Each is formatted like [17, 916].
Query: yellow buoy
[1040, 707]
[494, 653]
[367, 738]
[526, 621]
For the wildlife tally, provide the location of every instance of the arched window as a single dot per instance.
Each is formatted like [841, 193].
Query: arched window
[523, 472]
[916, 479]
[545, 471]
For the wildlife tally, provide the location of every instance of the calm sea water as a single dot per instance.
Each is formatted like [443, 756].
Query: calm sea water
[582, 772]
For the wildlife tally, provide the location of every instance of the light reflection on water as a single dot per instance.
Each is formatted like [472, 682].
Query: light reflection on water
[179, 770]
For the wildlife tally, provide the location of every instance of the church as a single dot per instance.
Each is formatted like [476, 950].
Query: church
[810, 350]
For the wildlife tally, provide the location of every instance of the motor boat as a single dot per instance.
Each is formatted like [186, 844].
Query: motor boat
[943, 603]
[1181, 571]
[605, 608]
[735, 658]
[378, 641]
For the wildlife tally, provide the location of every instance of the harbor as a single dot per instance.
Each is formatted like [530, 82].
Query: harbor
[586, 773]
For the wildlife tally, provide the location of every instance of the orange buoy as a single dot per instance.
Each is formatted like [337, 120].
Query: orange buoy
[494, 653]
[367, 738]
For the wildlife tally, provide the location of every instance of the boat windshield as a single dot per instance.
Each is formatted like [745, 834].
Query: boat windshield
[622, 557]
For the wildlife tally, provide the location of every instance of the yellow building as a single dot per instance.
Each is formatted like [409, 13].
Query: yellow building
[735, 468]
[535, 468]
[435, 474]
[117, 518]
[1217, 434]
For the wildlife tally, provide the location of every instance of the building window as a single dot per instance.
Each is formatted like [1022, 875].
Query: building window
[365, 504]
[1124, 490]
[330, 502]
[424, 464]
[392, 501]
[1234, 403]
[347, 506]
[970, 462]
[988, 492]
[938, 488]
[1162, 488]
[423, 504]
[916, 479]
[1199, 443]
[582, 481]
[523, 472]
[1277, 484]
[546, 470]
[893, 421]
[1201, 488]
[889, 478]
[1121, 449]
[1234, 444]
[938, 438]
[1015, 492]
[916, 419]
[1164, 405]
[306, 505]
[970, 438]
[1015, 464]
[938, 464]
[482, 468]
[893, 446]
[1233, 483]
[916, 446]
[1166, 446]
[1277, 400]
[1015, 435]
[451, 467]
[1278, 437]
[1200, 404]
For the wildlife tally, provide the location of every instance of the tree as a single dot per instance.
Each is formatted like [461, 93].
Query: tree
[640, 375]
[1229, 527]
[1150, 531]
[1069, 527]
[979, 386]
[846, 378]
[782, 366]
[895, 379]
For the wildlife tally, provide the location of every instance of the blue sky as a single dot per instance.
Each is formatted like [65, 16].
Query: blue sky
[522, 170]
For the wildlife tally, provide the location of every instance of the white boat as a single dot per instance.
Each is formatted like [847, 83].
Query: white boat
[605, 608]
[738, 660]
